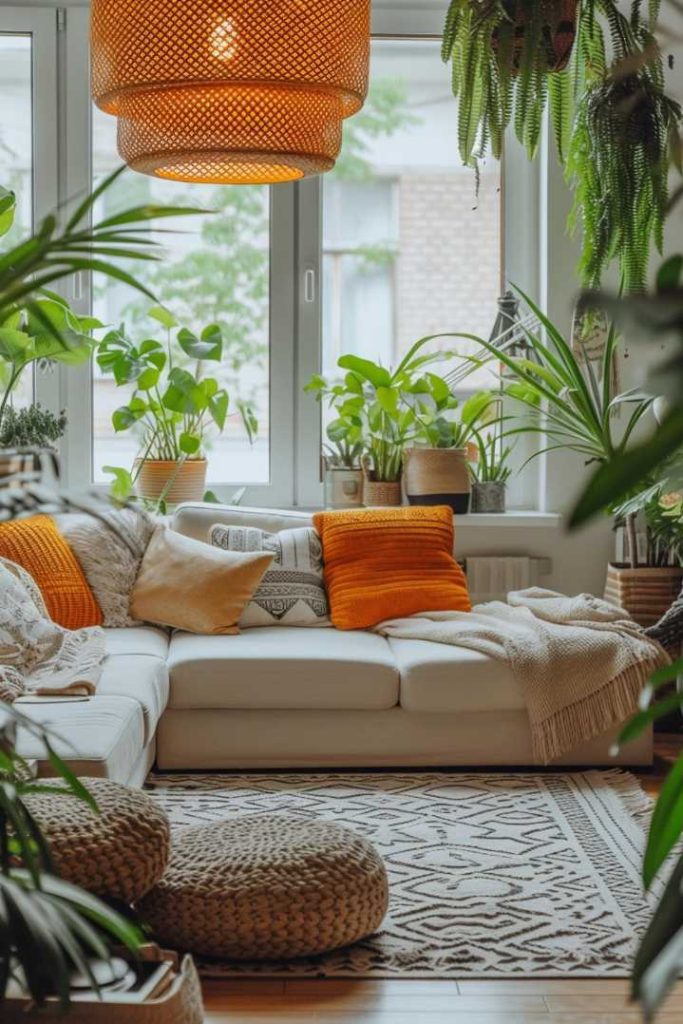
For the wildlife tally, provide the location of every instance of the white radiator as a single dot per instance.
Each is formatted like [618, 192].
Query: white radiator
[492, 577]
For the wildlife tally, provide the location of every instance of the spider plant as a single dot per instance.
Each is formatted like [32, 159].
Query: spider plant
[48, 928]
[571, 397]
[492, 464]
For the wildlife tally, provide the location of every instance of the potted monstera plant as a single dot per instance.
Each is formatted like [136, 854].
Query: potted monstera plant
[173, 407]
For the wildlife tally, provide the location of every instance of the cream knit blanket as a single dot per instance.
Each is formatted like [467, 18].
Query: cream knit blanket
[580, 662]
[36, 655]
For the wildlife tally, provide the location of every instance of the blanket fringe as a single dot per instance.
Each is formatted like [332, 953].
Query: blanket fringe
[601, 711]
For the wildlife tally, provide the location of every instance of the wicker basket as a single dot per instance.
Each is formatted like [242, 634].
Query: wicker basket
[645, 593]
[189, 480]
[438, 476]
[181, 1003]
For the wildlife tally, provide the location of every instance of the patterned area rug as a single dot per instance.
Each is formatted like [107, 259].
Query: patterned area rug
[491, 875]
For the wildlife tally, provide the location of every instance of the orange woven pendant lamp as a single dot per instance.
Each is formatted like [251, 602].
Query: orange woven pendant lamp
[234, 91]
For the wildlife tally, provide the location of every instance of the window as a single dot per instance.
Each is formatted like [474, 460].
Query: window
[215, 270]
[16, 149]
[409, 249]
[391, 246]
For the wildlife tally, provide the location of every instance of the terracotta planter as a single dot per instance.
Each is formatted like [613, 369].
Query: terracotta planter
[488, 497]
[343, 487]
[188, 480]
[558, 33]
[645, 593]
[438, 476]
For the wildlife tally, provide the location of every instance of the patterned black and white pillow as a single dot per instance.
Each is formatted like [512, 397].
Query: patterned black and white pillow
[292, 592]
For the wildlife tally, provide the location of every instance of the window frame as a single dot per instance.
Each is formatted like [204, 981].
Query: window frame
[41, 25]
[62, 169]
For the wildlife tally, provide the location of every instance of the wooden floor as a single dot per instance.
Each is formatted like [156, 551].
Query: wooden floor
[520, 1001]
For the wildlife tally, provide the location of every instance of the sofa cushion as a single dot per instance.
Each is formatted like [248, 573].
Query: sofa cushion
[441, 678]
[280, 667]
[141, 678]
[100, 736]
[138, 640]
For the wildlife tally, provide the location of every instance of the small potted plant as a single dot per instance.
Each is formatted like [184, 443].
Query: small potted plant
[437, 470]
[380, 403]
[491, 473]
[173, 406]
[341, 458]
[649, 581]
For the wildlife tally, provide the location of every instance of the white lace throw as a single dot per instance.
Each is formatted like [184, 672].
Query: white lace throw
[36, 655]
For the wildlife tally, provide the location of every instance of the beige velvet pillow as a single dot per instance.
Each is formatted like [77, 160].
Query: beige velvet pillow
[192, 586]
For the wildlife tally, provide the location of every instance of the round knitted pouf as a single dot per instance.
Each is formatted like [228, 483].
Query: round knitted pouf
[266, 887]
[121, 852]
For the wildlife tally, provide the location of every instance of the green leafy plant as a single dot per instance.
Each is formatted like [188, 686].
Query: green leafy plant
[644, 321]
[619, 167]
[612, 119]
[345, 447]
[173, 406]
[35, 323]
[33, 427]
[49, 929]
[443, 422]
[570, 397]
[378, 405]
[491, 465]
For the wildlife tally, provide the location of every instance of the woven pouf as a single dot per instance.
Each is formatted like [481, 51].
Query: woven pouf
[120, 852]
[266, 887]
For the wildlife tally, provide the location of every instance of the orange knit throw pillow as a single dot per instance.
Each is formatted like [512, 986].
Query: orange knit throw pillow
[38, 547]
[389, 563]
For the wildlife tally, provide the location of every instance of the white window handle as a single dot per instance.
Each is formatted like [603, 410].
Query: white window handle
[309, 286]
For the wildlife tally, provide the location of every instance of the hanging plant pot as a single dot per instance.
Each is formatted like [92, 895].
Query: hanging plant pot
[488, 497]
[438, 476]
[175, 481]
[645, 593]
[343, 487]
[558, 31]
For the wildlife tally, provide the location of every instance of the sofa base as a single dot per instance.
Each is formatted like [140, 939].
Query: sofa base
[213, 740]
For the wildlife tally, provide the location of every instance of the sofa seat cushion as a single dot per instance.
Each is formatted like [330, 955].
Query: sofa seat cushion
[283, 667]
[100, 736]
[441, 678]
[138, 640]
[141, 678]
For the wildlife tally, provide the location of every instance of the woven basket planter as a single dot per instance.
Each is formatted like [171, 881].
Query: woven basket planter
[645, 593]
[380, 493]
[181, 1003]
[438, 476]
[189, 480]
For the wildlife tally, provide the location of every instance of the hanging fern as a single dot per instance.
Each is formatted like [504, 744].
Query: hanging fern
[613, 130]
[619, 165]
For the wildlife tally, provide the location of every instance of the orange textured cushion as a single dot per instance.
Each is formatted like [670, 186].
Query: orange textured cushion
[37, 546]
[388, 563]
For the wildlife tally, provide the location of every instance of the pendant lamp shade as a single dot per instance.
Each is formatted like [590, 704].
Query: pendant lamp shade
[234, 91]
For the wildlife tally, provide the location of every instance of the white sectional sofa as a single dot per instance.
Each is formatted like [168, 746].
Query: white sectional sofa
[294, 698]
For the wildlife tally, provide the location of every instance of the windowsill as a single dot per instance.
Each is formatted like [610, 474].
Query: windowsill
[518, 518]
[506, 520]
